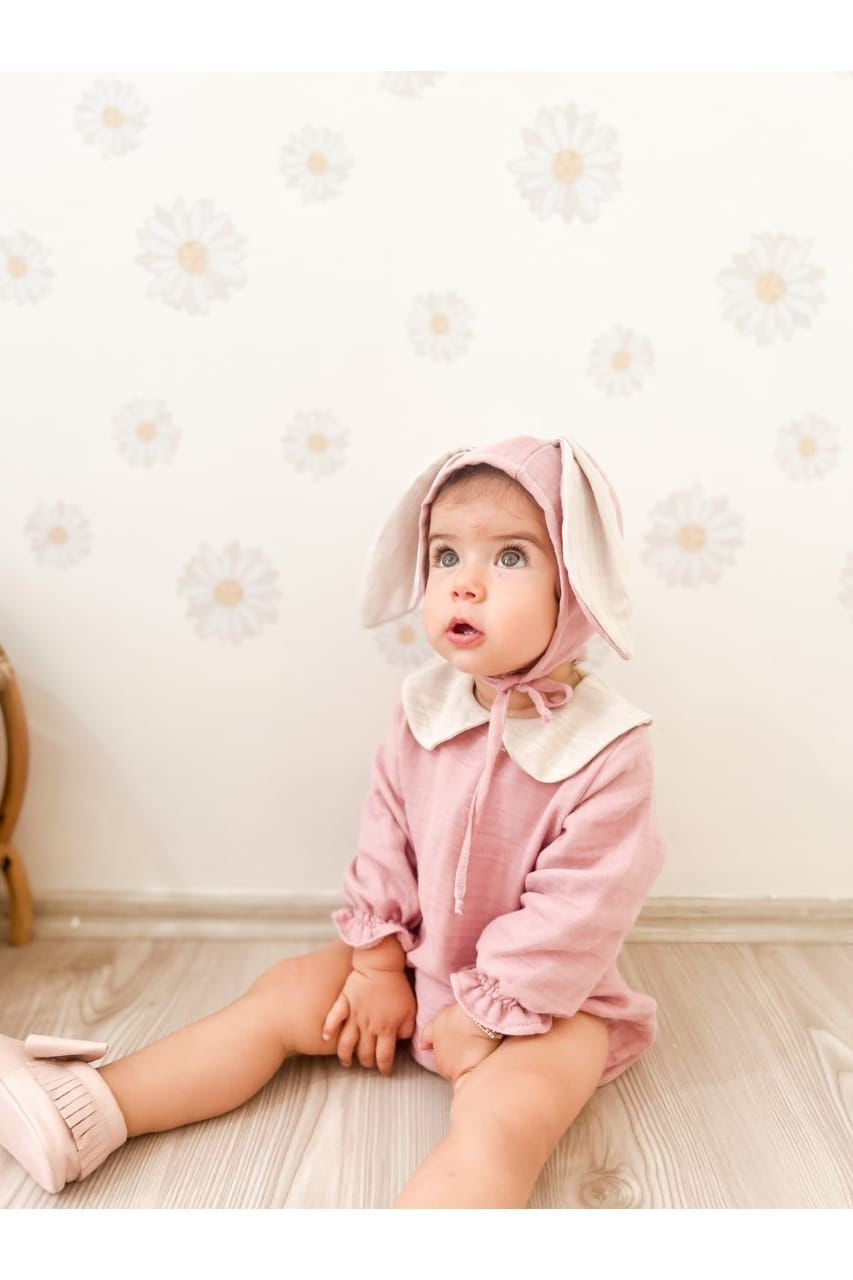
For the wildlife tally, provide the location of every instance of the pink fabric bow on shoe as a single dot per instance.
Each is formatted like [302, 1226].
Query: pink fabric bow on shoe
[58, 1118]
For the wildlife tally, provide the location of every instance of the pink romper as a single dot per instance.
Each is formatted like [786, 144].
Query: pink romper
[560, 862]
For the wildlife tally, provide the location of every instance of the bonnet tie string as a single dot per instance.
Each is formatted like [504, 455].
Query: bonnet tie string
[545, 693]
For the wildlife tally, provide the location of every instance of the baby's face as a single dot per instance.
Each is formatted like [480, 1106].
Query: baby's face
[510, 596]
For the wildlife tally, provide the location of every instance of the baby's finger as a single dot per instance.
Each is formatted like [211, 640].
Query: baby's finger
[367, 1049]
[347, 1041]
[336, 1014]
[385, 1046]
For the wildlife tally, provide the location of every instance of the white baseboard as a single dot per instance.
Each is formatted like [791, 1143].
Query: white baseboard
[292, 917]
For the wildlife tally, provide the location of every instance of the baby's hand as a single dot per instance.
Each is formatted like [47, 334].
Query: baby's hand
[457, 1043]
[376, 1008]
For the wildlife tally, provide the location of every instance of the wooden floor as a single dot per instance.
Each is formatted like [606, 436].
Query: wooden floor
[745, 1101]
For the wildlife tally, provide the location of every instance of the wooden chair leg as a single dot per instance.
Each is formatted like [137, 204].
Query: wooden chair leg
[20, 898]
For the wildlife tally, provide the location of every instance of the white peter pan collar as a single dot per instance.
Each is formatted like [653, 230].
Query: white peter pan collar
[439, 703]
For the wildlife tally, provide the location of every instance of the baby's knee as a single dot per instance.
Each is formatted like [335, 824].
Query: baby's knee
[299, 991]
[507, 1108]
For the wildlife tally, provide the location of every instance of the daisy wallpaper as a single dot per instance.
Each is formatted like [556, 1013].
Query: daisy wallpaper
[240, 312]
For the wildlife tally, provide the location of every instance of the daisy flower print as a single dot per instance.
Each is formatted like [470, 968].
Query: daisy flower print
[192, 254]
[229, 594]
[808, 448]
[620, 362]
[316, 162]
[111, 117]
[772, 289]
[409, 84]
[144, 433]
[570, 165]
[24, 273]
[596, 653]
[59, 534]
[439, 326]
[693, 538]
[403, 641]
[315, 443]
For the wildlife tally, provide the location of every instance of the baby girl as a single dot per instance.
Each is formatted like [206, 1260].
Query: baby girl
[507, 843]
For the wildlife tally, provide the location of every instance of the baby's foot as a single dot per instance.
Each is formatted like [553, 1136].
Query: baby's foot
[58, 1117]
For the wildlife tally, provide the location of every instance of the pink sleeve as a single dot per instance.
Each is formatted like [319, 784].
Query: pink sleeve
[380, 886]
[579, 902]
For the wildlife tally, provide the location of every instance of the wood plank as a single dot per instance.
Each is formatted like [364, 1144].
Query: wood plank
[744, 1101]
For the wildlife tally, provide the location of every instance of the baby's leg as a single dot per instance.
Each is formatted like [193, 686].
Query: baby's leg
[214, 1065]
[507, 1115]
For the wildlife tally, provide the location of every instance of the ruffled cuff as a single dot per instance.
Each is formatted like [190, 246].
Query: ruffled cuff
[480, 997]
[363, 929]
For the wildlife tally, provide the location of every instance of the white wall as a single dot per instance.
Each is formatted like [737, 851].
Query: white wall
[167, 756]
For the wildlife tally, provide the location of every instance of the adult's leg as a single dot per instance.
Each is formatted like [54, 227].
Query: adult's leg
[217, 1063]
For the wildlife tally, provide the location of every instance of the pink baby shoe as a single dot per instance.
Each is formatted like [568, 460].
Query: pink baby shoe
[58, 1118]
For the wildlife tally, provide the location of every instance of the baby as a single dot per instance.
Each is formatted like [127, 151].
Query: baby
[506, 846]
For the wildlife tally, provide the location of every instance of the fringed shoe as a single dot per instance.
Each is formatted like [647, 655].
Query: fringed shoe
[58, 1117]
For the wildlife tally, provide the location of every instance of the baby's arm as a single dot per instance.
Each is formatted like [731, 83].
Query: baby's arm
[380, 885]
[375, 1007]
[380, 919]
[387, 954]
[580, 900]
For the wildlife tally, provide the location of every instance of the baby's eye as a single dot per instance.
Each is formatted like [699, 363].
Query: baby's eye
[440, 552]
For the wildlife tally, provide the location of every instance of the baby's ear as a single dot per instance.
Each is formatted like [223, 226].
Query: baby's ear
[593, 548]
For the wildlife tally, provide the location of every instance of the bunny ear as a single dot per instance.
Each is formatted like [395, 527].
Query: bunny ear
[392, 582]
[593, 550]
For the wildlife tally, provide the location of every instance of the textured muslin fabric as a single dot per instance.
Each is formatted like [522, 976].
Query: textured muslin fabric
[511, 855]
[558, 877]
[584, 522]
